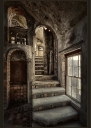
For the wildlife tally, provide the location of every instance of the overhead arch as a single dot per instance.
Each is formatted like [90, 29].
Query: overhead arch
[54, 48]
[16, 17]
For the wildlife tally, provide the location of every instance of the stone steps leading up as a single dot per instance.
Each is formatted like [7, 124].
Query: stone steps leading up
[40, 63]
[52, 117]
[44, 84]
[39, 72]
[50, 102]
[47, 92]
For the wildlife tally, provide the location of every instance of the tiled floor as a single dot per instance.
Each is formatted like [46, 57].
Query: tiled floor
[18, 116]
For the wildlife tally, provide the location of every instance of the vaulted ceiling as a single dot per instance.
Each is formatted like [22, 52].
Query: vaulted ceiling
[60, 15]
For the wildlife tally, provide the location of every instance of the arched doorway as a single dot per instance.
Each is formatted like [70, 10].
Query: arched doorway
[45, 49]
[16, 77]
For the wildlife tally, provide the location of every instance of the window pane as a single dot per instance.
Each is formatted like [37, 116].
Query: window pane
[78, 95]
[73, 87]
[68, 89]
[73, 92]
[74, 82]
[75, 71]
[78, 83]
[75, 61]
[69, 71]
[79, 71]
[68, 81]
[69, 61]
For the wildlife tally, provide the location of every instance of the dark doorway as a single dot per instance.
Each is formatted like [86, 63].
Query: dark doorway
[18, 80]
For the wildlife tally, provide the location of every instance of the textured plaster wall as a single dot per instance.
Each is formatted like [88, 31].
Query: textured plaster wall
[74, 39]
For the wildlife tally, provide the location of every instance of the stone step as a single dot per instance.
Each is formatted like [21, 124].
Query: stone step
[39, 72]
[39, 68]
[55, 116]
[45, 77]
[44, 84]
[38, 59]
[38, 56]
[50, 102]
[47, 92]
[39, 65]
[66, 124]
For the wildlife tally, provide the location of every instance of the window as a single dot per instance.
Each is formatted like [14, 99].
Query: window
[73, 76]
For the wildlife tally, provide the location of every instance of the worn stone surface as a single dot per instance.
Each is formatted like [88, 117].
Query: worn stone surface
[70, 124]
[47, 90]
[47, 102]
[76, 35]
[67, 22]
[57, 115]
[18, 116]
[60, 15]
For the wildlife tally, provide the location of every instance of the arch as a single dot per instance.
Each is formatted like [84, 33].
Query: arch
[37, 26]
[9, 51]
[10, 60]
[16, 17]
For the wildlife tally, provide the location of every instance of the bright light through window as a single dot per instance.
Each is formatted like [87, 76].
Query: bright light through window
[73, 77]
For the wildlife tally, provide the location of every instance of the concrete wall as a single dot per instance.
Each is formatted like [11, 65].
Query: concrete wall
[72, 40]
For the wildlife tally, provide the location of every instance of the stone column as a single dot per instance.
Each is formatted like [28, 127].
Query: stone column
[29, 79]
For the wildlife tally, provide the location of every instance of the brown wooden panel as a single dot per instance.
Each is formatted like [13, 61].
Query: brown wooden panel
[18, 72]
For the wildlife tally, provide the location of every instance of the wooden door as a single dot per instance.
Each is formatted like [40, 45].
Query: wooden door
[18, 72]
[18, 82]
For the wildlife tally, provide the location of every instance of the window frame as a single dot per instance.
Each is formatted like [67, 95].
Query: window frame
[67, 55]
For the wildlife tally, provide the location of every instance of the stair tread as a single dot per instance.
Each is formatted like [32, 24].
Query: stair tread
[39, 66]
[55, 114]
[45, 90]
[50, 100]
[46, 82]
[39, 70]
[44, 75]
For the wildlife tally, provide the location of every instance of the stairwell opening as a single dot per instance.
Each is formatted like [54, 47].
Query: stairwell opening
[45, 51]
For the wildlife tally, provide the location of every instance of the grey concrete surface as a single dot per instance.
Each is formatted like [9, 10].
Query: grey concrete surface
[48, 90]
[55, 115]
[50, 100]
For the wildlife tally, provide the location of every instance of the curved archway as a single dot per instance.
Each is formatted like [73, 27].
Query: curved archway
[46, 39]
[16, 77]
[16, 17]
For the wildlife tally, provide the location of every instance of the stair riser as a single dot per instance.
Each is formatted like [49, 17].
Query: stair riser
[39, 72]
[38, 61]
[41, 78]
[54, 123]
[50, 106]
[44, 86]
[39, 68]
[34, 96]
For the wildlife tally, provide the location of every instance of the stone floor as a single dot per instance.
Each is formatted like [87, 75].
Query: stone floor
[18, 116]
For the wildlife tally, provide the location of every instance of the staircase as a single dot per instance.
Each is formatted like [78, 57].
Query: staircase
[39, 65]
[51, 107]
